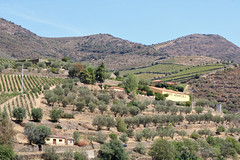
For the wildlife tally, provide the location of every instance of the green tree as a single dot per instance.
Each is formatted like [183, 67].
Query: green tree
[130, 83]
[140, 148]
[113, 151]
[161, 150]
[100, 73]
[102, 108]
[37, 114]
[134, 110]
[159, 97]
[40, 133]
[50, 154]
[99, 121]
[121, 125]
[19, 113]
[110, 122]
[73, 71]
[29, 132]
[6, 153]
[80, 155]
[199, 109]
[87, 76]
[55, 114]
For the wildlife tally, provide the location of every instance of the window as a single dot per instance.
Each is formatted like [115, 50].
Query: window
[48, 139]
[60, 140]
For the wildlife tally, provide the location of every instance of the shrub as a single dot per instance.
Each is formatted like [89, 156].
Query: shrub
[110, 122]
[138, 136]
[92, 106]
[68, 155]
[121, 125]
[140, 148]
[6, 153]
[67, 115]
[113, 136]
[46, 87]
[99, 121]
[19, 113]
[50, 154]
[102, 108]
[104, 97]
[37, 114]
[76, 136]
[113, 151]
[55, 114]
[80, 155]
[134, 110]
[159, 97]
[130, 132]
[221, 129]
[123, 138]
[162, 149]
[58, 126]
[194, 135]
[100, 137]
[199, 109]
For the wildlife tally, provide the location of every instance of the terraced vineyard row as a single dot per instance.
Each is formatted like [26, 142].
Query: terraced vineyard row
[190, 73]
[10, 62]
[12, 83]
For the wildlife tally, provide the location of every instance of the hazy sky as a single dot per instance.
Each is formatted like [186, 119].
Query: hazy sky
[143, 21]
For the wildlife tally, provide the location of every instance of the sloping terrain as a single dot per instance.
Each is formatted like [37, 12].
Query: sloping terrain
[17, 42]
[208, 45]
[224, 86]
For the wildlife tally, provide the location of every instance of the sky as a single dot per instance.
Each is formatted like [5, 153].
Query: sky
[142, 21]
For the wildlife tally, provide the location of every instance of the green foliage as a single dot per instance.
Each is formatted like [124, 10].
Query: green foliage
[113, 136]
[68, 155]
[140, 148]
[113, 151]
[130, 83]
[121, 125]
[50, 154]
[199, 109]
[100, 137]
[40, 133]
[80, 155]
[55, 114]
[19, 113]
[73, 71]
[37, 114]
[29, 131]
[221, 129]
[194, 135]
[6, 153]
[105, 97]
[99, 121]
[162, 149]
[159, 97]
[87, 76]
[76, 136]
[100, 73]
[102, 108]
[138, 136]
[124, 137]
[134, 110]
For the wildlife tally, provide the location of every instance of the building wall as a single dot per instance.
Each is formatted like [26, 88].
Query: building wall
[176, 97]
[70, 142]
[173, 96]
[59, 141]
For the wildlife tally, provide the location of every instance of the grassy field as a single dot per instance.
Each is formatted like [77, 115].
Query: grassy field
[190, 73]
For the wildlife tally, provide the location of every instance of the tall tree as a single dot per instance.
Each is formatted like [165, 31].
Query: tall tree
[130, 83]
[100, 73]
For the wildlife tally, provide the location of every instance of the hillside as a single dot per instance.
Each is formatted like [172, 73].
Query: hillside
[17, 42]
[222, 86]
[208, 45]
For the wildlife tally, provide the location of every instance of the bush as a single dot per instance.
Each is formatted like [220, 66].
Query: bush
[121, 125]
[194, 135]
[46, 87]
[6, 153]
[199, 109]
[99, 121]
[104, 97]
[102, 108]
[123, 138]
[80, 155]
[159, 97]
[37, 114]
[68, 155]
[162, 149]
[67, 115]
[76, 136]
[19, 113]
[100, 137]
[113, 136]
[50, 154]
[140, 148]
[138, 136]
[55, 114]
[221, 129]
[92, 106]
[113, 151]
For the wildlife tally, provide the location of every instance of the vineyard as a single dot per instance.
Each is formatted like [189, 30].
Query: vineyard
[5, 61]
[33, 86]
[188, 74]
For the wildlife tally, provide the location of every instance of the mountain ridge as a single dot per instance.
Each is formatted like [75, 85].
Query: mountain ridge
[117, 53]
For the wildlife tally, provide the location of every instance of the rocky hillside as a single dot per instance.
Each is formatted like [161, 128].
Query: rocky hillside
[17, 42]
[223, 86]
[208, 45]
